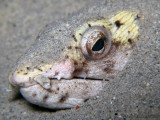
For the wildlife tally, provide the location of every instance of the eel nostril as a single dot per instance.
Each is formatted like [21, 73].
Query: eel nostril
[11, 77]
[18, 80]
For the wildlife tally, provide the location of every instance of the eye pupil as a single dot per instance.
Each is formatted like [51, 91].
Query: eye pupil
[96, 42]
[98, 45]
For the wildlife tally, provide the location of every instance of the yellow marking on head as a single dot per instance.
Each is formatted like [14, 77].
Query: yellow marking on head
[34, 71]
[75, 53]
[128, 30]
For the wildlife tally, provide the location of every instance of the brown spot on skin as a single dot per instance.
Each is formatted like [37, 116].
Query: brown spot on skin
[77, 47]
[85, 100]
[69, 47]
[25, 73]
[56, 73]
[117, 44]
[137, 17]
[45, 97]
[130, 41]
[80, 34]
[89, 25]
[84, 64]
[74, 38]
[75, 63]
[49, 90]
[107, 70]
[66, 56]
[38, 68]
[126, 54]
[34, 95]
[57, 88]
[109, 63]
[118, 23]
[64, 98]
[28, 68]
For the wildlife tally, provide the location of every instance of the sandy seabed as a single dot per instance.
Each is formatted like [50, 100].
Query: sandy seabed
[134, 94]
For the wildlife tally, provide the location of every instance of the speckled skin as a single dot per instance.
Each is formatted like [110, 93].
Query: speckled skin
[75, 74]
[133, 94]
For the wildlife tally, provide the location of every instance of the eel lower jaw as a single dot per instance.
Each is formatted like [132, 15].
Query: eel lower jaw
[63, 93]
[56, 94]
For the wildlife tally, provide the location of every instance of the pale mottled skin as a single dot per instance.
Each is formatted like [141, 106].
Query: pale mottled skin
[54, 72]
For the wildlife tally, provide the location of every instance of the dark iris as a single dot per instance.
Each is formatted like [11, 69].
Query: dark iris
[98, 45]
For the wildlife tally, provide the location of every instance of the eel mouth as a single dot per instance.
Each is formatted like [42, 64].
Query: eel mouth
[50, 92]
[17, 80]
[81, 78]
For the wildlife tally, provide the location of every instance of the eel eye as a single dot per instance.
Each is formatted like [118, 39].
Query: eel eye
[96, 42]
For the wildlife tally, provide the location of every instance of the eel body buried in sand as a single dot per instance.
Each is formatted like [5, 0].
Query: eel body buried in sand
[69, 63]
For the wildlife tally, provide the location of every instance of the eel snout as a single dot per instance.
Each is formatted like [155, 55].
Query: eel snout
[18, 80]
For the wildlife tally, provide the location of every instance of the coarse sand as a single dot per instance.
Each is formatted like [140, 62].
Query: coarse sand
[133, 94]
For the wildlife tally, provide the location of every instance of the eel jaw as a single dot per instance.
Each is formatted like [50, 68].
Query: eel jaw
[63, 93]
[42, 89]
[24, 78]
[18, 80]
[46, 91]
